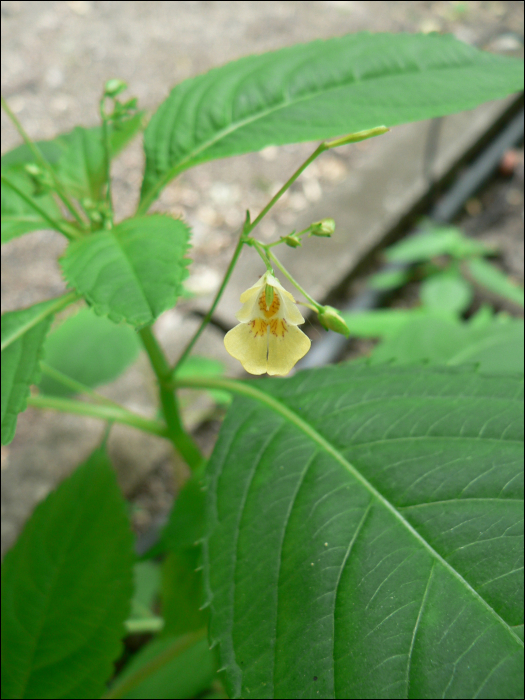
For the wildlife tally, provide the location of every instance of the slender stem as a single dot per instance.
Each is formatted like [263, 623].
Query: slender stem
[55, 225]
[109, 413]
[264, 253]
[206, 319]
[320, 149]
[107, 158]
[181, 440]
[146, 624]
[292, 280]
[43, 162]
[77, 387]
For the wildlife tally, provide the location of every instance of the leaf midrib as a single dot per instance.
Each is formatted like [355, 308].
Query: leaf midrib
[283, 410]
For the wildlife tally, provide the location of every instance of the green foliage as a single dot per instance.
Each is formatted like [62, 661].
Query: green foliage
[170, 667]
[363, 535]
[495, 281]
[66, 587]
[182, 595]
[496, 346]
[23, 334]
[133, 272]
[147, 587]
[447, 291]
[316, 91]
[19, 217]
[90, 349]
[438, 241]
[200, 366]
[78, 159]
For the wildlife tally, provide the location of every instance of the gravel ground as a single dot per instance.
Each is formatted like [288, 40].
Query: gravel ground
[55, 58]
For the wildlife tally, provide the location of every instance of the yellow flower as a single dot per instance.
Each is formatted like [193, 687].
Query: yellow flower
[267, 338]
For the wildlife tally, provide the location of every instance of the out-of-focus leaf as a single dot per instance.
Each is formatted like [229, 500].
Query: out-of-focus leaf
[447, 292]
[90, 349]
[170, 667]
[495, 281]
[66, 588]
[389, 279]
[198, 366]
[431, 244]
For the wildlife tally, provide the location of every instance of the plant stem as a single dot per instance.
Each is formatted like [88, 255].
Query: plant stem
[77, 387]
[146, 624]
[109, 413]
[55, 225]
[107, 157]
[43, 162]
[263, 252]
[206, 319]
[181, 440]
[292, 280]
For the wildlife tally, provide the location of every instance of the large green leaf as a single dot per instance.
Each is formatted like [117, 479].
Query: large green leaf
[66, 587]
[363, 535]
[23, 334]
[89, 349]
[132, 273]
[78, 158]
[318, 90]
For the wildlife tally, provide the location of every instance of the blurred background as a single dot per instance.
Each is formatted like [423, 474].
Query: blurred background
[56, 57]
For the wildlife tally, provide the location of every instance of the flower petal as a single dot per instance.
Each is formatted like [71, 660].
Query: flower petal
[254, 289]
[290, 312]
[286, 345]
[249, 344]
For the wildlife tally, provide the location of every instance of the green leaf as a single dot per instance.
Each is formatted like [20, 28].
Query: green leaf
[18, 217]
[497, 346]
[90, 349]
[66, 587]
[182, 592]
[172, 667]
[494, 280]
[78, 159]
[133, 272]
[447, 292]
[389, 279]
[363, 535]
[23, 334]
[315, 91]
[446, 240]
[380, 323]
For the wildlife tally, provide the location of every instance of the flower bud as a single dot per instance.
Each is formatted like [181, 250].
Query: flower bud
[330, 319]
[325, 227]
[292, 240]
[114, 87]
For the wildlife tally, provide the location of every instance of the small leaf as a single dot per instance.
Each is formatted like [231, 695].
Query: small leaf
[380, 323]
[23, 334]
[389, 279]
[446, 240]
[18, 217]
[494, 280]
[316, 91]
[90, 349]
[364, 535]
[182, 593]
[170, 667]
[66, 587]
[447, 291]
[133, 272]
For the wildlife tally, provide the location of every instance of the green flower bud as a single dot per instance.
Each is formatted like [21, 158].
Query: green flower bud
[325, 227]
[330, 319]
[292, 240]
[114, 87]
